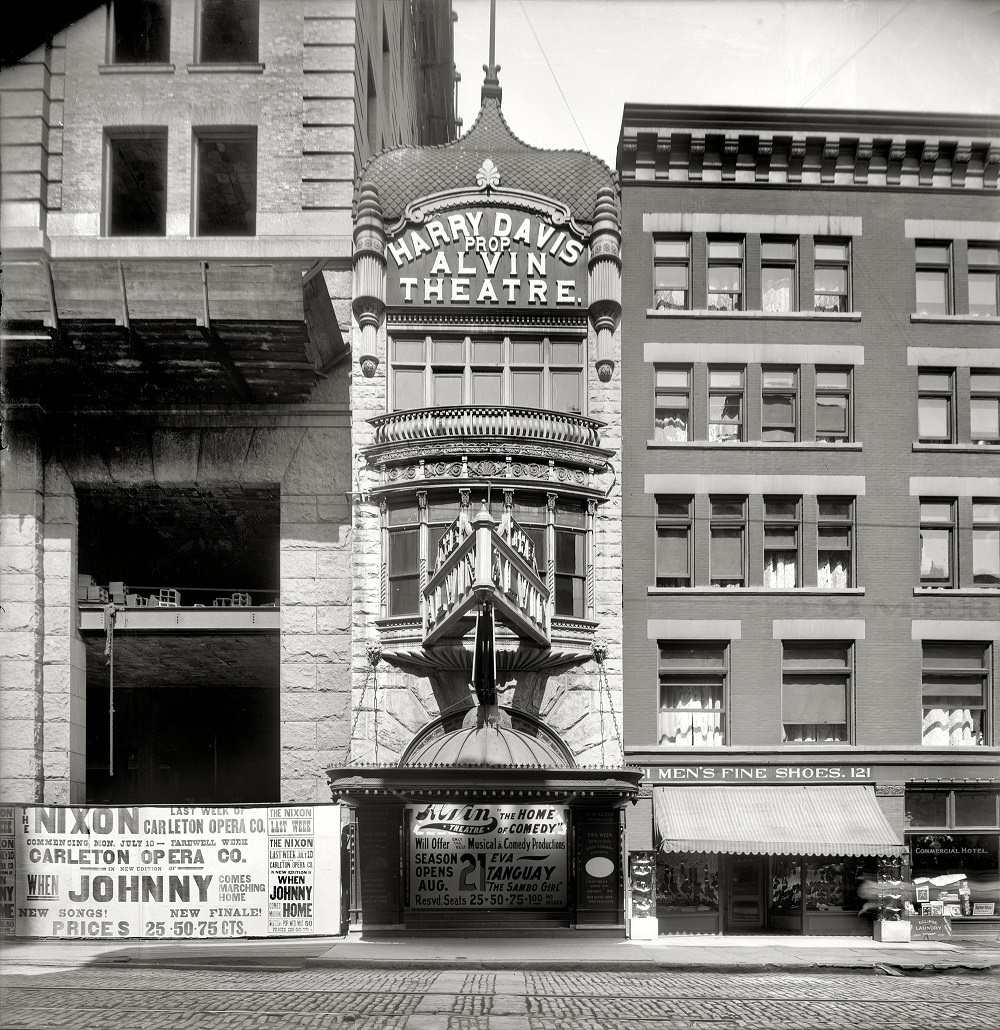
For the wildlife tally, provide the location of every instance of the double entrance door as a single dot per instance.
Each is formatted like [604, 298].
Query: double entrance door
[746, 906]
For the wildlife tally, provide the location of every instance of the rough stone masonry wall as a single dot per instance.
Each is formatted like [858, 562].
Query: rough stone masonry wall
[22, 512]
[43, 700]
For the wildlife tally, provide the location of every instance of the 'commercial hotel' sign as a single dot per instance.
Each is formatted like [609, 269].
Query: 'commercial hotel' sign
[491, 257]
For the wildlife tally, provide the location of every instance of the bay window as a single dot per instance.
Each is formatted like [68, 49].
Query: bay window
[451, 371]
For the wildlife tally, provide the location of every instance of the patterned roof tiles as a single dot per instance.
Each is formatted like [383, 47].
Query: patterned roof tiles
[405, 174]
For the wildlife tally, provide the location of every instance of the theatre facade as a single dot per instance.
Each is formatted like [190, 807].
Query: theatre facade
[486, 776]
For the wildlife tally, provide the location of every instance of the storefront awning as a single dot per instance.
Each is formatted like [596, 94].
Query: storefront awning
[794, 820]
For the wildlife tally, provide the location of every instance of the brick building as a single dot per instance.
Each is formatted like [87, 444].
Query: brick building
[812, 494]
[177, 471]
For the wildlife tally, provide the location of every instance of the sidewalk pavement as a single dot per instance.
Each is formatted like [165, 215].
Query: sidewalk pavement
[567, 950]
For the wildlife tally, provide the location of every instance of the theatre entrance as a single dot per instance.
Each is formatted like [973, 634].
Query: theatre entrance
[489, 825]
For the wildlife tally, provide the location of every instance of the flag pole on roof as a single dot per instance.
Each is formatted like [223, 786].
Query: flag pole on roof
[491, 84]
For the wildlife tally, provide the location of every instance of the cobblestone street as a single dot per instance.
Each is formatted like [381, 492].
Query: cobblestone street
[39, 998]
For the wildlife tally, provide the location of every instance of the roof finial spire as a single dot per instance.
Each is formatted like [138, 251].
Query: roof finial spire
[491, 84]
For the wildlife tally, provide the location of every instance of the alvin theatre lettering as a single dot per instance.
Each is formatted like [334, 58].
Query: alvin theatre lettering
[486, 257]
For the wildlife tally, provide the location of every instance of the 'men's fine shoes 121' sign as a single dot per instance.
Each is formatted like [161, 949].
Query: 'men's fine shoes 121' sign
[757, 773]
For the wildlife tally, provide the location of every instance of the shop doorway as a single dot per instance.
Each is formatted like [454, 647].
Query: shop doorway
[746, 906]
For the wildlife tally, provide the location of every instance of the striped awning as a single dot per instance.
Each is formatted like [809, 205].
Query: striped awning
[773, 820]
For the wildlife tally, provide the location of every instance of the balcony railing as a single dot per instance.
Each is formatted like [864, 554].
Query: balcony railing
[465, 421]
[480, 563]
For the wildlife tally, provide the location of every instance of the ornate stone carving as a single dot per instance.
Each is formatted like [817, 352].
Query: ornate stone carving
[488, 176]
[369, 364]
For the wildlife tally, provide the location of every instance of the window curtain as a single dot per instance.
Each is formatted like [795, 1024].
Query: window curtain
[950, 727]
[671, 428]
[673, 300]
[814, 733]
[779, 570]
[831, 574]
[694, 719]
[778, 298]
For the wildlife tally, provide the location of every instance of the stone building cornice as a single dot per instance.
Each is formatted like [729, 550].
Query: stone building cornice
[776, 146]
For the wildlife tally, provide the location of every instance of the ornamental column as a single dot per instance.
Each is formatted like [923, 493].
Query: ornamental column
[605, 286]
[369, 276]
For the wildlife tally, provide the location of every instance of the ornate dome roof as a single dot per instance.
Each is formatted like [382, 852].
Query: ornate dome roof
[405, 174]
[486, 738]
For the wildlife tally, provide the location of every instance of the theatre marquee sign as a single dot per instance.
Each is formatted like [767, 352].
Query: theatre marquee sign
[493, 257]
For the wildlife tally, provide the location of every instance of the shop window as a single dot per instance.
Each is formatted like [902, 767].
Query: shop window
[984, 280]
[835, 543]
[786, 885]
[226, 182]
[779, 274]
[673, 404]
[954, 871]
[136, 182]
[692, 693]
[956, 681]
[727, 552]
[779, 404]
[546, 373]
[403, 567]
[927, 807]
[228, 31]
[833, 405]
[725, 404]
[571, 559]
[977, 807]
[937, 543]
[936, 407]
[816, 692]
[832, 275]
[985, 407]
[831, 885]
[781, 542]
[986, 542]
[725, 274]
[686, 883]
[673, 541]
[672, 273]
[933, 278]
[140, 32]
